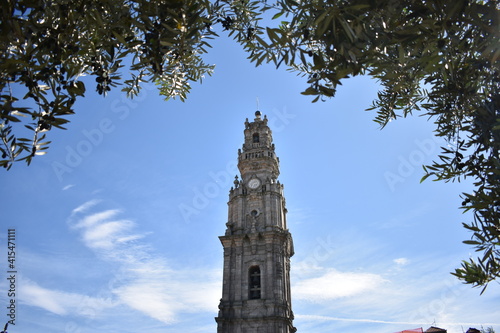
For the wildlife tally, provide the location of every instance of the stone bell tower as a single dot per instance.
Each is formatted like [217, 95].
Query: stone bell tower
[257, 244]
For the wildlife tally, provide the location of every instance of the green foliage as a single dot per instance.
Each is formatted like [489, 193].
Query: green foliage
[47, 46]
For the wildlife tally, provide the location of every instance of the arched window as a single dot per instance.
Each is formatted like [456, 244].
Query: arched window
[255, 137]
[254, 282]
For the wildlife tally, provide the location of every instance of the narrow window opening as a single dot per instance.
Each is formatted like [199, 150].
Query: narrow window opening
[254, 282]
[255, 137]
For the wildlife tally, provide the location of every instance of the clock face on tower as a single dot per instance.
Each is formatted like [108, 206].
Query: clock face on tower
[253, 183]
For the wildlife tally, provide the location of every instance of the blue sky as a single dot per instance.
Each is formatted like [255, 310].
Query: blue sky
[117, 226]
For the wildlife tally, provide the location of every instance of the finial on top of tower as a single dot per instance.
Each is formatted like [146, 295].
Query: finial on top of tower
[257, 115]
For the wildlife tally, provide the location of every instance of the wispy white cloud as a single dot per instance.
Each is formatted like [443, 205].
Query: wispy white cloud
[106, 235]
[164, 294]
[334, 284]
[146, 282]
[95, 219]
[129, 238]
[401, 261]
[149, 297]
[61, 302]
[85, 206]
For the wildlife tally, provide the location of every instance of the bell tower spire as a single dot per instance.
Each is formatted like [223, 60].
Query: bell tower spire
[257, 245]
[257, 159]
